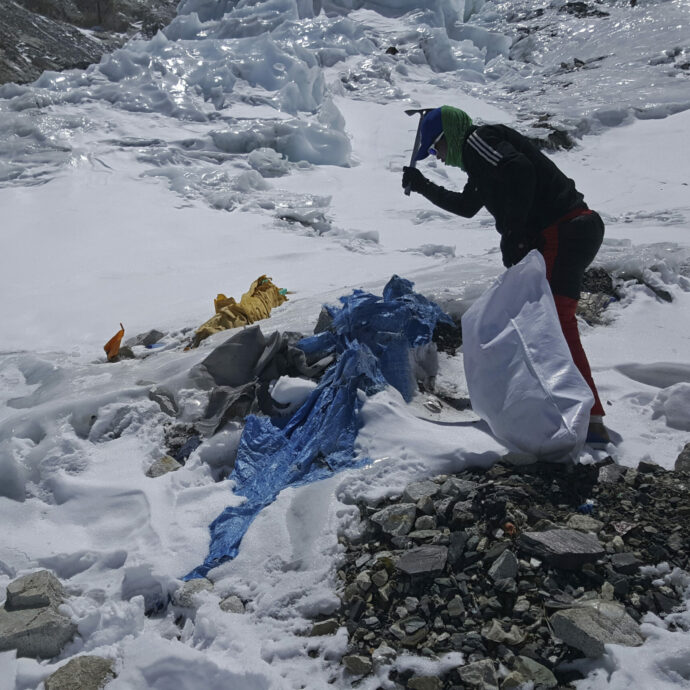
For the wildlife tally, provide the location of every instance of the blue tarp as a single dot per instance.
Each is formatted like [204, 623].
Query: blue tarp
[372, 337]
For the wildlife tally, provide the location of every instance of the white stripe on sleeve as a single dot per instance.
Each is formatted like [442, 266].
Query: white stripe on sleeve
[483, 149]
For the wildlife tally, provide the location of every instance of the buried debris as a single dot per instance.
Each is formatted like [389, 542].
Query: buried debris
[254, 305]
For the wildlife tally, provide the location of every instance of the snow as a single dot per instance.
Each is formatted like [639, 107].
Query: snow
[268, 137]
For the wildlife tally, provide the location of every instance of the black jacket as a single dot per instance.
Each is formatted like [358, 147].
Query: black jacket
[522, 189]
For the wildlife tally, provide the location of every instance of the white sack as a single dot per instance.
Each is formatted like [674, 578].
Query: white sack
[520, 374]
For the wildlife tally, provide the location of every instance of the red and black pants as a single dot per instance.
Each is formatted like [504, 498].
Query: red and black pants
[569, 246]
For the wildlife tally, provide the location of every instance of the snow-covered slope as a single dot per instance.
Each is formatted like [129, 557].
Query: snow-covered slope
[268, 137]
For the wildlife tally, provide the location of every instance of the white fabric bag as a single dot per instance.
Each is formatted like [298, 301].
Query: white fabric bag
[520, 374]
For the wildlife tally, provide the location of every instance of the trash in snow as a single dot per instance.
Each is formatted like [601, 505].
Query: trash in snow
[374, 339]
[112, 347]
[254, 305]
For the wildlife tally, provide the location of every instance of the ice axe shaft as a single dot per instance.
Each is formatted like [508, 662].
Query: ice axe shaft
[417, 140]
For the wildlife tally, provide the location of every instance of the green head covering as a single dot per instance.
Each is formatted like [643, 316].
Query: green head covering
[456, 125]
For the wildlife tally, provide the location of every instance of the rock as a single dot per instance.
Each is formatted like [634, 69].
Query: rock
[594, 625]
[34, 591]
[83, 672]
[233, 604]
[591, 307]
[683, 460]
[425, 683]
[480, 675]
[504, 567]
[357, 665]
[458, 488]
[39, 633]
[379, 578]
[327, 627]
[535, 672]
[425, 522]
[396, 520]
[417, 491]
[423, 559]
[494, 631]
[584, 523]
[383, 655]
[146, 339]
[456, 608]
[30, 621]
[31, 43]
[163, 466]
[563, 548]
[514, 681]
[462, 513]
[626, 562]
[186, 596]
[611, 474]
[410, 631]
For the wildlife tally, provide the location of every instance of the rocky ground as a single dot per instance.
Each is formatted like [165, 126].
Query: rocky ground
[522, 568]
[39, 35]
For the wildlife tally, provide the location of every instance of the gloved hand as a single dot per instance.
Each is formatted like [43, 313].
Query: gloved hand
[414, 179]
[513, 250]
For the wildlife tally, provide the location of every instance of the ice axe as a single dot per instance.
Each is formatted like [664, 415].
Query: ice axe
[417, 140]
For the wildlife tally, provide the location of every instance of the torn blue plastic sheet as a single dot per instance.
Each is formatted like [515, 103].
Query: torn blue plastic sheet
[372, 337]
[390, 326]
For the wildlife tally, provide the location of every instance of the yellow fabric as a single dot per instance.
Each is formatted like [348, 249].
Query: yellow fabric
[255, 304]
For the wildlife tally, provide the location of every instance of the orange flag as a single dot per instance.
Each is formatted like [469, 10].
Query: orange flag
[112, 347]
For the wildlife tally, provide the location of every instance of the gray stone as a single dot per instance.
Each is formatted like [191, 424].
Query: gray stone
[591, 307]
[456, 548]
[456, 608]
[327, 627]
[514, 681]
[232, 604]
[683, 460]
[611, 474]
[417, 491]
[458, 488]
[563, 548]
[425, 683]
[423, 559]
[594, 625]
[425, 522]
[494, 631]
[357, 665]
[163, 466]
[186, 596]
[505, 566]
[535, 672]
[34, 591]
[146, 339]
[37, 633]
[424, 534]
[626, 562]
[480, 675]
[383, 655]
[83, 672]
[396, 520]
[507, 585]
[379, 578]
[32, 43]
[462, 512]
[584, 523]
